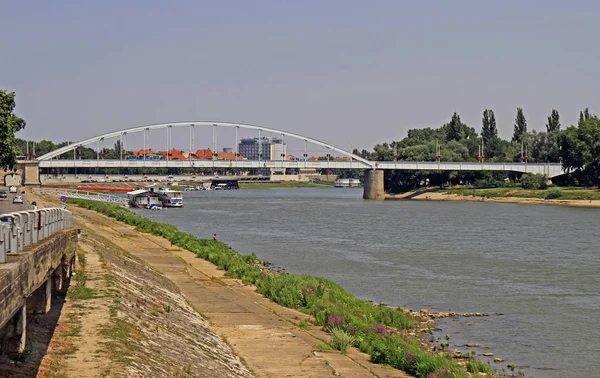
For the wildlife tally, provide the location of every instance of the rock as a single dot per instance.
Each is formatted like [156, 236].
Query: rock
[482, 374]
[488, 354]
[498, 359]
[424, 311]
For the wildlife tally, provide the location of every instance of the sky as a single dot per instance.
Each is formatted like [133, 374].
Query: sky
[351, 73]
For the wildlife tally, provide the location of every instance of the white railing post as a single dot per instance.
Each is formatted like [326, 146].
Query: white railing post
[36, 226]
[3, 243]
[12, 236]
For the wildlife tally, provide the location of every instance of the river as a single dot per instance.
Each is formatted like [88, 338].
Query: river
[535, 269]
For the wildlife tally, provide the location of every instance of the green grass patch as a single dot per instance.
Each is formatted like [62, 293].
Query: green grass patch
[82, 293]
[123, 339]
[375, 329]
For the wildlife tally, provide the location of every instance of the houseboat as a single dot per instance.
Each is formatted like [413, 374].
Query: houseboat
[170, 198]
[143, 198]
[347, 183]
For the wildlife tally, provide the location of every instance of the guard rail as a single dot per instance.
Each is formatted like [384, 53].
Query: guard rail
[23, 228]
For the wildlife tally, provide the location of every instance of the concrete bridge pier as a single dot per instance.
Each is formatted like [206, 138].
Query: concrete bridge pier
[13, 335]
[40, 300]
[373, 184]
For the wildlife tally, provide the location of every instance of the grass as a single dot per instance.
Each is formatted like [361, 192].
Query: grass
[375, 329]
[123, 339]
[565, 193]
[283, 184]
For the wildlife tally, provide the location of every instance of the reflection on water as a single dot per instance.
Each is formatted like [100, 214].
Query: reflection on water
[536, 265]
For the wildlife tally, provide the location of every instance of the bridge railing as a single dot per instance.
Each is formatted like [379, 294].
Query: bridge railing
[82, 194]
[23, 228]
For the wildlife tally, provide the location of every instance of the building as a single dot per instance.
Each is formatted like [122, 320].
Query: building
[265, 148]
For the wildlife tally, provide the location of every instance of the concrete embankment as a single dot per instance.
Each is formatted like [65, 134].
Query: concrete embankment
[145, 306]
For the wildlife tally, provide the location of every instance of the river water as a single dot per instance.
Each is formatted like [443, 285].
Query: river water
[535, 269]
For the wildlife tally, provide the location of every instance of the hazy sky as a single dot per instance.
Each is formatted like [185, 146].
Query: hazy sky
[346, 72]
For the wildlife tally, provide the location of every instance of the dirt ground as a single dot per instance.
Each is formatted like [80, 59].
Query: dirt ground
[158, 310]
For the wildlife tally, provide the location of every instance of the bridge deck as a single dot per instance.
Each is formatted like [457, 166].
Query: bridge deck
[549, 169]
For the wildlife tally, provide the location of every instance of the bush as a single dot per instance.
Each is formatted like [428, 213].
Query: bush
[532, 181]
[340, 339]
[478, 366]
[554, 193]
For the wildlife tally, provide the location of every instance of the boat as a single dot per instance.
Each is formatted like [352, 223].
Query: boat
[143, 198]
[347, 183]
[170, 198]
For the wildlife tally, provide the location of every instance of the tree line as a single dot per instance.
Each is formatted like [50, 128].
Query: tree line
[577, 147]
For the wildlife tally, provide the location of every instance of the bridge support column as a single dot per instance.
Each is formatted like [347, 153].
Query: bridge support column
[39, 301]
[31, 172]
[13, 336]
[58, 278]
[373, 184]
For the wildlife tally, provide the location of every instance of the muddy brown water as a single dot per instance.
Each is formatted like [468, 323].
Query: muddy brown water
[535, 269]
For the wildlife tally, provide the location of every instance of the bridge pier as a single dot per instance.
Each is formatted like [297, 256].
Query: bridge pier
[373, 185]
[13, 334]
[40, 301]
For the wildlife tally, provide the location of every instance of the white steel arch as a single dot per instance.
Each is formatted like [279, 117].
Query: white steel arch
[114, 134]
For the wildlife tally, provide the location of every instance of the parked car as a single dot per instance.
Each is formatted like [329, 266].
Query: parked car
[12, 189]
[3, 194]
[18, 199]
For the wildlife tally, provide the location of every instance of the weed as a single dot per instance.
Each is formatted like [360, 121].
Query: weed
[304, 324]
[82, 293]
[340, 340]
[478, 366]
[323, 346]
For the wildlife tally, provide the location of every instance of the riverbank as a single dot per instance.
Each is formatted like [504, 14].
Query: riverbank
[270, 339]
[579, 198]
[383, 331]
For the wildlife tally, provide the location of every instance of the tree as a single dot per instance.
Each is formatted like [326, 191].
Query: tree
[520, 126]
[580, 149]
[553, 124]
[9, 125]
[455, 129]
[488, 128]
[585, 115]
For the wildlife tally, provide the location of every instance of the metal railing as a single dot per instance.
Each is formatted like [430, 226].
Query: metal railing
[23, 228]
[86, 195]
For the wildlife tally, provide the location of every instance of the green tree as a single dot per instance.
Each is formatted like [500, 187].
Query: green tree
[520, 126]
[488, 128]
[553, 124]
[585, 115]
[455, 129]
[9, 125]
[544, 147]
[580, 149]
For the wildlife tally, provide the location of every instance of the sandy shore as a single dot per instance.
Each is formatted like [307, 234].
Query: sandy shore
[441, 196]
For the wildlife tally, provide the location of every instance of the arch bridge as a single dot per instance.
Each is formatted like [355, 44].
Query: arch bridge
[373, 178]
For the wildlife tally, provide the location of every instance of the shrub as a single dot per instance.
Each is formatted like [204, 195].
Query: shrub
[535, 181]
[340, 339]
[478, 366]
[554, 193]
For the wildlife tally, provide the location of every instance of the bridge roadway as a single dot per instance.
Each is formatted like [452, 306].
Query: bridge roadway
[549, 169]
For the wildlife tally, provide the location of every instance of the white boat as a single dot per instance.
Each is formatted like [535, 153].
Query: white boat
[170, 198]
[347, 183]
